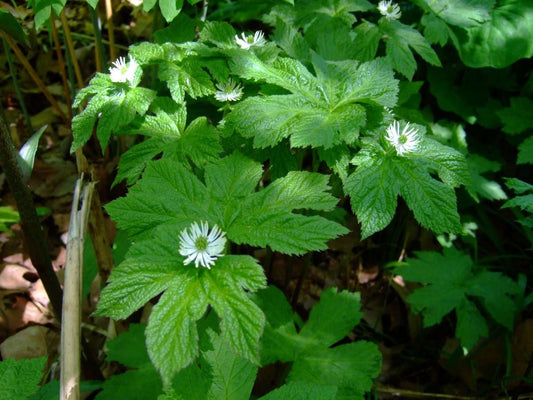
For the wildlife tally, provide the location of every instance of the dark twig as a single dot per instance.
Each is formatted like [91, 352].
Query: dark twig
[29, 221]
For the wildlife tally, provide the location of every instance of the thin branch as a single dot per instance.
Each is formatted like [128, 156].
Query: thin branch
[70, 44]
[61, 62]
[110, 30]
[29, 221]
[204, 10]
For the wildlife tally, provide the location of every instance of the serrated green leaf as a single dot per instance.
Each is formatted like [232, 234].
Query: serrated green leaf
[366, 41]
[525, 151]
[518, 186]
[348, 367]
[221, 34]
[351, 367]
[380, 177]
[333, 317]
[188, 77]
[373, 192]
[233, 376]
[400, 39]
[133, 161]
[471, 325]
[137, 282]
[242, 322]
[452, 281]
[517, 117]
[302, 391]
[435, 29]
[321, 111]
[20, 378]
[505, 38]
[172, 324]
[169, 194]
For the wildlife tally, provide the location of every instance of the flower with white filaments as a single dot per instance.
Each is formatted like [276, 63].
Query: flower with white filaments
[122, 72]
[250, 41]
[404, 141]
[228, 91]
[389, 9]
[201, 245]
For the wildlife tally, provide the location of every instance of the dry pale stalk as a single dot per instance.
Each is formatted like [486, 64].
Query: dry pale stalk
[71, 317]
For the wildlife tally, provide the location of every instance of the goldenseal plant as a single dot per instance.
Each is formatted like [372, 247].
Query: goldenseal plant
[309, 107]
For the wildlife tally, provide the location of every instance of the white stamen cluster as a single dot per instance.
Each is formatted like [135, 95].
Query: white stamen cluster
[200, 245]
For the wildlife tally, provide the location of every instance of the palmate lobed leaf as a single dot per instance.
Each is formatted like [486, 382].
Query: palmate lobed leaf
[380, 177]
[349, 367]
[170, 195]
[154, 266]
[322, 111]
[452, 283]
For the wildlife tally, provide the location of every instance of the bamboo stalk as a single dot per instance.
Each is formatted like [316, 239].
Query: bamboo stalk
[24, 61]
[62, 69]
[31, 227]
[71, 320]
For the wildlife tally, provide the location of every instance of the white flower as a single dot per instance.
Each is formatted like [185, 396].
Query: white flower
[249, 41]
[405, 141]
[122, 72]
[200, 245]
[389, 10]
[228, 91]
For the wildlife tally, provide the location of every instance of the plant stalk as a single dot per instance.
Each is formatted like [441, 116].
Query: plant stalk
[61, 62]
[29, 221]
[71, 320]
[70, 44]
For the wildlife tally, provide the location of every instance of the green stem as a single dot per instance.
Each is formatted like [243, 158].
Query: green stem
[98, 37]
[29, 221]
[14, 78]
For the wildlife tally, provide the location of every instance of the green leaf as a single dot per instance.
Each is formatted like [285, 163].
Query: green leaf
[11, 26]
[380, 177]
[435, 29]
[302, 391]
[500, 41]
[233, 377]
[133, 161]
[322, 111]
[28, 150]
[128, 348]
[517, 117]
[525, 151]
[350, 367]
[451, 282]
[8, 217]
[136, 281]
[333, 317]
[172, 324]
[170, 8]
[462, 13]
[366, 41]
[400, 39]
[20, 378]
[139, 384]
[44, 8]
[143, 383]
[188, 77]
[518, 186]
